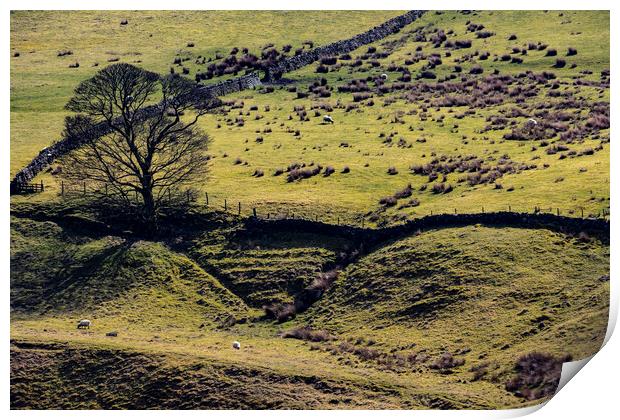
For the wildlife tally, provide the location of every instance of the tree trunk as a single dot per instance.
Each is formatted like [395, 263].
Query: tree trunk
[149, 212]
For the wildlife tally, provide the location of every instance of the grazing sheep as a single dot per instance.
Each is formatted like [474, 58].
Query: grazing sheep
[532, 121]
[384, 76]
[236, 345]
[328, 119]
[84, 323]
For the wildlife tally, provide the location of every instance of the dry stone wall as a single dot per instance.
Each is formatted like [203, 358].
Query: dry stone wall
[370, 237]
[248, 81]
[344, 46]
[47, 156]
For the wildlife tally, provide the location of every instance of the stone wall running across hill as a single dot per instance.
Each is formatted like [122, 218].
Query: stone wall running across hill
[208, 95]
[248, 81]
[371, 237]
[344, 46]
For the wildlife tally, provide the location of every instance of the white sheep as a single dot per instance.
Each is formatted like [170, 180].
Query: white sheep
[384, 76]
[84, 323]
[236, 345]
[532, 121]
[328, 119]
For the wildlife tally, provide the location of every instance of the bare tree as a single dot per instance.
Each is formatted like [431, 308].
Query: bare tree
[148, 148]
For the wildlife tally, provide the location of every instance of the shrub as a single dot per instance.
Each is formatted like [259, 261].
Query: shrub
[441, 188]
[537, 375]
[551, 52]
[559, 63]
[328, 171]
[360, 96]
[428, 75]
[462, 43]
[392, 170]
[446, 362]
[346, 170]
[307, 333]
[74, 65]
[388, 201]
[484, 34]
[476, 69]
[571, 51]
[479, 371]
[322, 69]
[280, 312]
[512, 37]
[414, 202]
[258, 173]
[598, 121]
[62, 53]
[190, 45]
[405, 192]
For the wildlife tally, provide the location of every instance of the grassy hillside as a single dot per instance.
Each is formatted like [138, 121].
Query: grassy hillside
[477, 111]
[396, 124]
[42, 82]
[483, 295]
[495, 292]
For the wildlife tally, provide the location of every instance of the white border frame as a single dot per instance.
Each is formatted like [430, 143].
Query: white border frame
[594, 393]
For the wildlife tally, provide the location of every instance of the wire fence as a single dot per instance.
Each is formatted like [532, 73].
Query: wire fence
[278, 211]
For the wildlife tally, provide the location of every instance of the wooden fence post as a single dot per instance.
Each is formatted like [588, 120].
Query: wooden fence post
[558, 211]
[482, 209]
[239, 209]
[84, 192]
[187, 194]
[509, 208]
[254, 211]
[42, 188]
[106, 189]
[225, 205]
[62, 188]
[207, 197]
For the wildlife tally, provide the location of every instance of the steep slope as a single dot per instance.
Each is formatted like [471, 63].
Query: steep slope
[487, 295]
[56, 272]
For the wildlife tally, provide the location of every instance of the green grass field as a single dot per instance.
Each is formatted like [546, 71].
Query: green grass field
[484, 296]
[368, 156]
